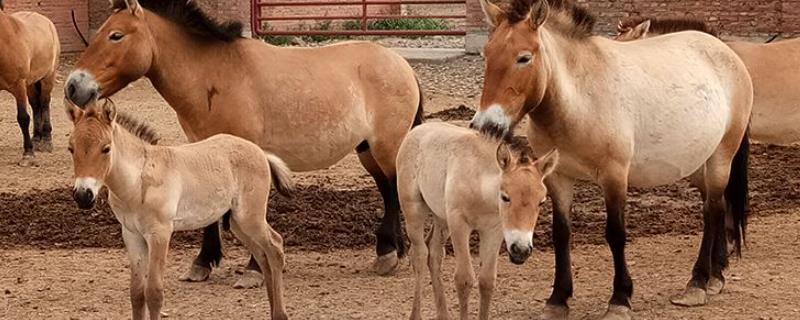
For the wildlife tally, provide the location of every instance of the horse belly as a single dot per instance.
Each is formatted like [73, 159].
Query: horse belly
[200, 209]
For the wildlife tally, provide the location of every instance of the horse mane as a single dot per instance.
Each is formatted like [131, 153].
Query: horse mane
[668, 25]
[573, 20]
[519, 146]
[137, 127]
[190, 16]
[1, 5]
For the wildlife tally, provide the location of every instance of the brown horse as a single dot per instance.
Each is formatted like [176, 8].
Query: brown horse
[309, 106]
[621, 114]
[28, 63]
[772, 66]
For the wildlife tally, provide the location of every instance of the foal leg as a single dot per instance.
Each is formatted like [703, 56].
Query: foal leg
[210, 255]
[24, 121]
[615, 189]
[158, 248]
[137, 253]
[266, 247]
[436, 241]
[561, 191]
[489, 248]
[390, 246]
[416, 213]
[465, 275]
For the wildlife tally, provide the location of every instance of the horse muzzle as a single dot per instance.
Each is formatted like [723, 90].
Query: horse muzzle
[85, 198]
[518, 254]
[493, 122]
[81, 88]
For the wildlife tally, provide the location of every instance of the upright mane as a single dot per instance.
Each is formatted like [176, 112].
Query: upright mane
[668, 25]
[189, 15]
[565, 15]
[138, 128]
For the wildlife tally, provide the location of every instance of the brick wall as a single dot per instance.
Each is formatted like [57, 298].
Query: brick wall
[740, 18]
[59, 12]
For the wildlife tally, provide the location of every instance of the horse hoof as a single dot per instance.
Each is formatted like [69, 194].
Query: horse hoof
[715, 286]
[691, 297]
[27, 161]
[386, 264]
[250, 279]
[196, 274]
[43, 146]
[616, 312]
[553, 312]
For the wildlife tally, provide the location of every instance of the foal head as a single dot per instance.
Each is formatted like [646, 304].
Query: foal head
[522, 192]
[90, 144]
[641, 27]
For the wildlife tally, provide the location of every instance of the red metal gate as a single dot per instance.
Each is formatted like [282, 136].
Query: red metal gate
[259, 18]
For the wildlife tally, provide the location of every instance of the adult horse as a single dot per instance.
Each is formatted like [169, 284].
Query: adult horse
[773, 68]
[635, 114]
[309, 106]
[28, 64]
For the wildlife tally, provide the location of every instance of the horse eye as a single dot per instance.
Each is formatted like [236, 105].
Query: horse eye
[106, 149]
[116, 36]
[505, 198]
[524, 59]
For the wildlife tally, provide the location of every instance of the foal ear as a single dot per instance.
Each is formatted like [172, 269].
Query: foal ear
[132, 5]
[493, 13]
[504, 157]
[547, 163]
[539, 12]
[74, 112]
[109, 111]
[640, 31]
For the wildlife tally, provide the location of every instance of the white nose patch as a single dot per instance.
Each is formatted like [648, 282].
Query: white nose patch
[520, 237]
[494, 115]
[88, 183]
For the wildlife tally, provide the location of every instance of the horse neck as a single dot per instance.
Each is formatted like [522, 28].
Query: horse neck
[127, 160]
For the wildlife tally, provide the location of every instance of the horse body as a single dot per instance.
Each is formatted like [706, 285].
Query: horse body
[309, 106]
[28, 63]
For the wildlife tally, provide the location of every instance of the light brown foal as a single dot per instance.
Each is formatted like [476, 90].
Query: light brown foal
[155, 190]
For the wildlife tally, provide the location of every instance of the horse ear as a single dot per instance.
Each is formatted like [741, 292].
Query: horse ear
[504, 157]
[132, 5]
[539, 13]
[74, 112]
[640, 31]
[109, 111]
[493, 13]
[547, 163]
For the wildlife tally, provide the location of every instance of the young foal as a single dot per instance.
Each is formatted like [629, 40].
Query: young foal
[28, 63]
[467, 183]
[154, 191]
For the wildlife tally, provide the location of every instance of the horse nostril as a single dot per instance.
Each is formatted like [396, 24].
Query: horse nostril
[71, 90]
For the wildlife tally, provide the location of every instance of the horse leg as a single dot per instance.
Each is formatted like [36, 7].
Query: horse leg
[137, 254]
[436, 241]
[489, 248]
[34, 92]
[615, 188]
[390, 246]
[47, 84]
[561, 191]
[24, 121]
[210, 255]
[465, 276]
[157, 248]
[416, 212]
[251, 276]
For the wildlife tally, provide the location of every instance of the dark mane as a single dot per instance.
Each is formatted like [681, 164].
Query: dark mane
[668, 25]
[137, 128]
[1, 5]
[189, 15]
[565, 15]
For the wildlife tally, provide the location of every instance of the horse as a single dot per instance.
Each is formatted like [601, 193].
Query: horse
[29, 60]
[772, 67]
[621, 114]
[155, 190]
[467, 182]
[309, 106]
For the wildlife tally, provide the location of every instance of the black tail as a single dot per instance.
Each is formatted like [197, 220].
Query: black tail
[736, 193]
[420, 117]
[768, 40]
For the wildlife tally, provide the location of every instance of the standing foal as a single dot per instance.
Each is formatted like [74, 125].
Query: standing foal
[467, 182]
[155, 190]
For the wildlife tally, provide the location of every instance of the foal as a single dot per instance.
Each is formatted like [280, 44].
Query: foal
[467, 183]
[155, 190]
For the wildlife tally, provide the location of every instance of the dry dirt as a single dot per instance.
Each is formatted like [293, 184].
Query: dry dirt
[59, 262]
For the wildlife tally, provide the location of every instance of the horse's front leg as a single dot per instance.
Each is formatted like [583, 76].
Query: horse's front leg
[489, 248]
[137, 254]
[24, 121]
[561, 191]
[158, 248]
[615, 189]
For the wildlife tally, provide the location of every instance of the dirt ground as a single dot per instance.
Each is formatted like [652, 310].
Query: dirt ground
[60, 262]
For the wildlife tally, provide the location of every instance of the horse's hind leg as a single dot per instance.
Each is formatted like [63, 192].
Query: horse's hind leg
[34, 94]
[416, 212]
[436, 241]
[45, 128]
[390, 246]
[266, 246]
[24, 121]
[210, 255]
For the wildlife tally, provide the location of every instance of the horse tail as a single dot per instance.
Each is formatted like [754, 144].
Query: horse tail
[419, 118]
[768, 40]
[281, 175]
[736, 193]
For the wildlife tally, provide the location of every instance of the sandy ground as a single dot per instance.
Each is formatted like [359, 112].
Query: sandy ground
[86, 278]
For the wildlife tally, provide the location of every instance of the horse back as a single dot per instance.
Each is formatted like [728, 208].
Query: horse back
[40, 39]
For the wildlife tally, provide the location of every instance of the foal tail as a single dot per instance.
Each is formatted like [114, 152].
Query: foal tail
[736, 193]
[281, 175]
